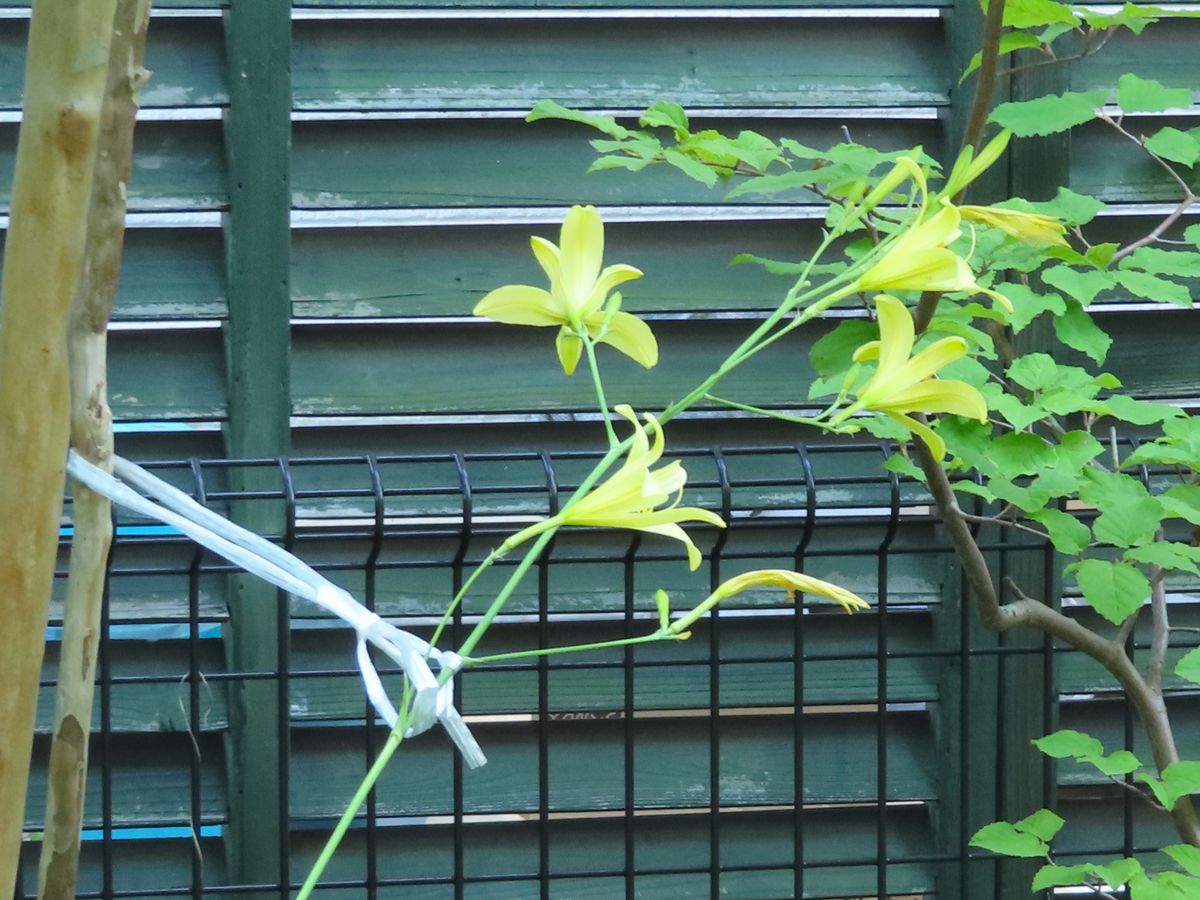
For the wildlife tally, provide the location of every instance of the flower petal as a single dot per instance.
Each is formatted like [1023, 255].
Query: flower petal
[631, 336]
[548, 258]
[937, 446]
[609, 279]
[581, 250]
[520, 304]
[939, 396]
[932, 359]
[677, 533]
[570, 348]
[895, 335]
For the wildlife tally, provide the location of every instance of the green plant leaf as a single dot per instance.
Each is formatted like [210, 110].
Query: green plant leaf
[1032, 13]
[1187, 856]
[666, 115]
[1086, 749]
[1189, 666]
[1042, 824]
[1009, 43]
[1118, 872]
[1072, 208]
[774, 184]
[1067, 533]
[1182, 501]
[691, 167]
[632, 163]
[1005, 839]
[831, 354]
[1175, 145]
[1183, 263]
[1168, 554]
[1029, 304]
[1192, 233]
[1136, 412]
[1083, 286]
[548, 109]
[1131, 525]
[1145, 95]
[1077, 330]
[1151, 287]
[1049, 876]
[1050, 114]
[1178, 780]
[1114, 590]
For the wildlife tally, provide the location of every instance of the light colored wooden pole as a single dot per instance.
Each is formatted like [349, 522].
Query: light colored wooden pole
[65, 74]
[91, 437]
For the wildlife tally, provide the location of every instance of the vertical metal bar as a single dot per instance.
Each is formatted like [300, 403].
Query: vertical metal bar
[881, 661]
[456, 576]
[543, 565]
[370, 577]
[714, 685]
[194, 719]
[257, 240]
[798, 651]
[628, 821]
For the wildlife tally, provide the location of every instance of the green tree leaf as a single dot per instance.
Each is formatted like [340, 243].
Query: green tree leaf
[691, 167]
[666, 115]
[1151, 287]
[1182, 501]
[1178, 780]
[1136, 412]
[1009, 43]
[1187, 856]
[1175, 145]
[774, 184]
[1114, 590]
[831, 354]
[1042, 824]
[1077, 330]
[1067, 533]
[1168, 554]
[1183, 263]
[1005, 839]
[1072, 208]
[1189, 666]
[1029, 304]
[1192, 233]
[1032, 13]
[1050, 114]
[1083, 286]
[1049, 876]
[1145, 95]
[1086, 749]
[548, 109]
[1130, 525]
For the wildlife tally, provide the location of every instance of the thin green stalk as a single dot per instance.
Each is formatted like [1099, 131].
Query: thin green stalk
[462, 592]
[769, 413]
[360, 796]
[590, 346]
[573, 648]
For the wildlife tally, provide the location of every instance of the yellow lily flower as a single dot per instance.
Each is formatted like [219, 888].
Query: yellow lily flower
[632, 496]
[1032, 228]
[576, 299]
[904, 384]
[792, 582]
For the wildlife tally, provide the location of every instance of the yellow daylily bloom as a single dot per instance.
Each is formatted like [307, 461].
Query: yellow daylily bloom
[1032, 228]
[633, 496]
[904, 384]
[576, 299]
[792, 582]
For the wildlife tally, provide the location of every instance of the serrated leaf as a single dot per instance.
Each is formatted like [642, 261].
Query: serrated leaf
[1130, 525]
[1009, 43]
[1167, 554]
[1042, 824]
[1075, 328]
[902, 465]
[548, 109]
[1067, 533]
[1118, 872]
[1029, 304]
[632, 163]
[831, 354]
[1049, 115]
[1136, 412]
[666, 115]
[1032, 13]
[1151, 287]
[1114, 590]
[1100, 255]
[1086, 749]
[1192, 233]
[1183, 263]
[755, 150]
[1178, 780]
[1003, 838]
[1083, 286]
[774, 184]
[1072, 208]
[1145, 95]
[1182, 501]
[1187, 856]
[1189, 666]
[1175, 145]
[1049, 876]
[690, 167]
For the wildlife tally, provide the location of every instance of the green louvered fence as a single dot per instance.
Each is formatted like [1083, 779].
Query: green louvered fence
[391, 139]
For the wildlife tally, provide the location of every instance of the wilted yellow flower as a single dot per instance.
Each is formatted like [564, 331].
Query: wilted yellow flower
[1032, 228]
[904, 384]
[631, 496]
[577, 295]
[792, 582]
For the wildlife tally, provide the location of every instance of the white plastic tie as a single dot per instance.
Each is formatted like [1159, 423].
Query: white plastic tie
[433, 702]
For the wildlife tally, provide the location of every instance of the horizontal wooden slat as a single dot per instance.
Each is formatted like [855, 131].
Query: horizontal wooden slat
[1108, 165]
[1164, 51]
[185, 56]
[352, 64]
[167, 374]
[176, 166]
[498, 162]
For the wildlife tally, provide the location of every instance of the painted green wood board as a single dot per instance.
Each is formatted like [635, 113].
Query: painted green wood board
[185, 55]
[508, 162]
[435, 65]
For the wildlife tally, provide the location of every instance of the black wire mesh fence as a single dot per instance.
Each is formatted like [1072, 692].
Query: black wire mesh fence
[786, 750]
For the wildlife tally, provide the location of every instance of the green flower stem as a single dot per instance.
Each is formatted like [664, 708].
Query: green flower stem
[772, 414]
[660, 635]
[360, 796]
[590, 346]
